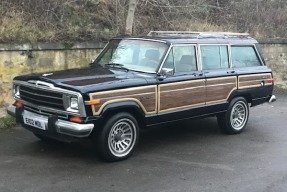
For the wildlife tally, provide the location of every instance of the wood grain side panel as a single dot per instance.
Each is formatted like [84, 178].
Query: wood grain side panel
[219, 89]
[221, 80]
[181, 85]
[249, 81]
[146, 97]
[176, 96]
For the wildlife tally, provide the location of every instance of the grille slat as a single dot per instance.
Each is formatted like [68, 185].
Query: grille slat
[36, 94]
[42, 97]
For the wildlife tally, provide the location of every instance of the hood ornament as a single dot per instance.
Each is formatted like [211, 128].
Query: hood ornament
[47, 74]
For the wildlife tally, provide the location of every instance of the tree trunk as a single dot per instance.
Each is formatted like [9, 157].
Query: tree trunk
[130, 17]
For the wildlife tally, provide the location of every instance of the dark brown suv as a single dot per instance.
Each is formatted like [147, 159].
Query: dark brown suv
[139, 82]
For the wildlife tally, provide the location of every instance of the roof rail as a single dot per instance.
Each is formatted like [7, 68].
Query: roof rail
[196, 34]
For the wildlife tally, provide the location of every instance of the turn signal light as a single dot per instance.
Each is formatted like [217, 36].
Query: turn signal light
[76, 119]
[94, 102]
[18, 104]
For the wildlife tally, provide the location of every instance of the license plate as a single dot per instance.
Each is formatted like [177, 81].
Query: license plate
[33, 123]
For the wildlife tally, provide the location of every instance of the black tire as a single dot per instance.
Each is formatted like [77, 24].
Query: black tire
[234, 120]
[118, 137]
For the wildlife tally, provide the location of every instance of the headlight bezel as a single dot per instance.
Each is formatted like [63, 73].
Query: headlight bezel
[72, 103]
[16, 91]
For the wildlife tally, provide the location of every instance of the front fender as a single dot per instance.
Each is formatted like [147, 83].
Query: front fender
[129, 106]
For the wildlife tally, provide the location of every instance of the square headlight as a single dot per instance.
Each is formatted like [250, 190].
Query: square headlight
[16, 91]
[74, 104]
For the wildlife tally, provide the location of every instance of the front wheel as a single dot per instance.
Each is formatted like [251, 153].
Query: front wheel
[234, 120]
[118, 137]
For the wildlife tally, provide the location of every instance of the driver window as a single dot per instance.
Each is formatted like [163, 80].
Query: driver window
[181, 59]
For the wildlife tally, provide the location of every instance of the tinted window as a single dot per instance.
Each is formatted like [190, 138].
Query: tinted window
[214, 56]
[182, 59]
[244, 56]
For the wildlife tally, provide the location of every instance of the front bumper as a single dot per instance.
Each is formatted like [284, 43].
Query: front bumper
[53, 124]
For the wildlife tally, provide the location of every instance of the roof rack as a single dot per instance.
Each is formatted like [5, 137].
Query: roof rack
[195, 34]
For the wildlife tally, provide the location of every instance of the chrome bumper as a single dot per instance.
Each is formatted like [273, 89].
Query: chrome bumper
[272, 99]
[62, 127]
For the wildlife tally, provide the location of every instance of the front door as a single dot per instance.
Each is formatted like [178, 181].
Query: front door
[183, 90]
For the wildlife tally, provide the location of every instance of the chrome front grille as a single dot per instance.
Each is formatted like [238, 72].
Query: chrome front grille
[46, 99]
[42, 97]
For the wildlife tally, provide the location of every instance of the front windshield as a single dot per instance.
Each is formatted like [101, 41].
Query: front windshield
[133, 54]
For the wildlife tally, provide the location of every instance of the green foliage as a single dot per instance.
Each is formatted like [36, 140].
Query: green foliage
[68, 44]
[7, 122]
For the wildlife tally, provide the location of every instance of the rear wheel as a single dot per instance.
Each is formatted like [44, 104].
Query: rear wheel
[118, 137]
[234, 120]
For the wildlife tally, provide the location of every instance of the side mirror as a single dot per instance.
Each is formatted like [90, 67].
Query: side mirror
[92, 61]
[167, 71]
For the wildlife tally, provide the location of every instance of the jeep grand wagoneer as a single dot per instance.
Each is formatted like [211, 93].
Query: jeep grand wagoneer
[139, 82]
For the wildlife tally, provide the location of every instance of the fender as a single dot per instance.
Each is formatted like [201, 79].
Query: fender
[130, 106]
[255, 96]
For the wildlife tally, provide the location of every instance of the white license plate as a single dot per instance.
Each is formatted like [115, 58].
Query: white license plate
[33, 123]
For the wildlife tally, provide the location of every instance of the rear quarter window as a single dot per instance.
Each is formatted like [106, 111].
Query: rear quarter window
[244, 56]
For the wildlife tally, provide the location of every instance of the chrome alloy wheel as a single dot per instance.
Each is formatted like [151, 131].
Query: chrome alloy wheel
[239, 114]
[122, 137]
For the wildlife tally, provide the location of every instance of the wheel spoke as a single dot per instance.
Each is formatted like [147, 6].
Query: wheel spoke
[122, 137]
[238, 115]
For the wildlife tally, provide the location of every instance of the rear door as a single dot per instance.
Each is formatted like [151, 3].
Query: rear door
[221, 79]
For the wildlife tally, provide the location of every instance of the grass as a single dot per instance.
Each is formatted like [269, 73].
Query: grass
[7, 122]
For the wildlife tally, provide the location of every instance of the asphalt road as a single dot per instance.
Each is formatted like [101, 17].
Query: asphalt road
[191, 156]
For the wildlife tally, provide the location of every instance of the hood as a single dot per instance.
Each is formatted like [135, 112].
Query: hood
[90, 79]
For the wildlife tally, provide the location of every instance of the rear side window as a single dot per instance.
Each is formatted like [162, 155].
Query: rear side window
[214, 56]
[244, 56]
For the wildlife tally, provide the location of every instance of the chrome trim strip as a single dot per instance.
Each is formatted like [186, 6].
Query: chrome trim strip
[164, 58]
[143, 39]
[82, 111]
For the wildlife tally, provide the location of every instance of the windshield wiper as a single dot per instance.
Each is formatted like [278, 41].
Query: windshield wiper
[116, 65]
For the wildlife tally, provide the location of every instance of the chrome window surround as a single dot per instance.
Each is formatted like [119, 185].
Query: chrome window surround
[198, 53]
[215, 44]
[50, 87]
[247, 45]
[179, 45]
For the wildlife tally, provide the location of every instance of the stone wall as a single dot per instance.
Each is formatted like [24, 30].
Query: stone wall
[42, 57]
[275, 56]
[24, 59]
